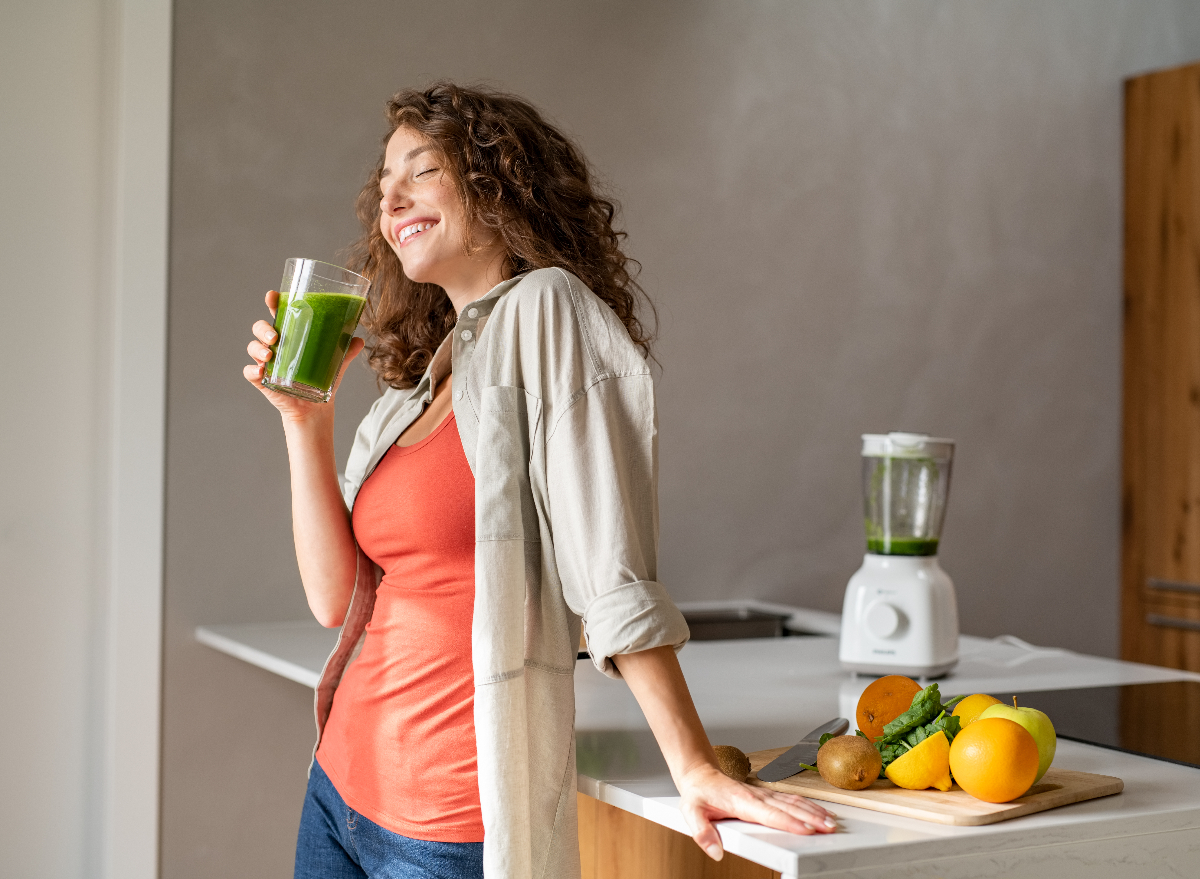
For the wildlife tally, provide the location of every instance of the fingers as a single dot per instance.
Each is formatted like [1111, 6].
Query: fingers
[714, 798]
[780, 811]
[704, 833]
[264, 335]
[259, 352]
[785, 811]
[265, 332]
[272, 300]
[798, 804]
[781, 816]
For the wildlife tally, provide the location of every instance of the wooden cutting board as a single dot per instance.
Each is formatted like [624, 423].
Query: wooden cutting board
[1058, 787]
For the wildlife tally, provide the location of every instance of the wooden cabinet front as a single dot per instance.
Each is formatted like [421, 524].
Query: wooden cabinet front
[1160, 591]
[615, 844]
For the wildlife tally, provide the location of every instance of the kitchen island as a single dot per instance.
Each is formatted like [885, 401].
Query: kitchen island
[763, 693]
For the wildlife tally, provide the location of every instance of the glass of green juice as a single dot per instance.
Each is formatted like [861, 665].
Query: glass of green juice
[319, 307]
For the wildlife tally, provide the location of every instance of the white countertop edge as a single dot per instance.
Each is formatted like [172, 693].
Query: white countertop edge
[793, 855]
[290, 670]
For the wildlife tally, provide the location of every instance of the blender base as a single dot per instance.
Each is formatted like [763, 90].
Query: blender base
[900, 616]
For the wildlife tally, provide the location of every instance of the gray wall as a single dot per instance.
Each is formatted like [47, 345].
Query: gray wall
[54, 175]
[853, 216]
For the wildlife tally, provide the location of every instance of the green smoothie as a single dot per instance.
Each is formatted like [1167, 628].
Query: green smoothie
[314, 332]
[902, 546]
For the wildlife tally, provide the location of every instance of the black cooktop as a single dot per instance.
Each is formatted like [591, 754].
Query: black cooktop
[1159, 720]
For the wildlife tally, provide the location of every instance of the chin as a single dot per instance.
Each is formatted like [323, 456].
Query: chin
[417, 276]
[414, 273]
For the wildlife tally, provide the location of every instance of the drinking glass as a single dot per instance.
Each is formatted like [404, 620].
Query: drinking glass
[319, 308]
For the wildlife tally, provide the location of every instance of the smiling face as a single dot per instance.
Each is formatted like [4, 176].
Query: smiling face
[421, 216]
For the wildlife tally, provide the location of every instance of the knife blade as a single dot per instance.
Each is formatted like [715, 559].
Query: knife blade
[788, 763]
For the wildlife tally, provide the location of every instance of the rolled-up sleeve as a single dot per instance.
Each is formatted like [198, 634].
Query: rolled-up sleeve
[602, 494]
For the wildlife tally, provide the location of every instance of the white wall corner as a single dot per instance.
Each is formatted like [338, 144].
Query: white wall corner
[140, 62]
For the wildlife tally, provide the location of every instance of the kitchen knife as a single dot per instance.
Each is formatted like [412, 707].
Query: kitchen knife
[788, 763]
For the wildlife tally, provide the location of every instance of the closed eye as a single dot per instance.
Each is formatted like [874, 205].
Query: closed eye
[426, 171]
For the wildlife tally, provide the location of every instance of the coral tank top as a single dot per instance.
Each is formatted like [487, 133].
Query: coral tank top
[399, 745]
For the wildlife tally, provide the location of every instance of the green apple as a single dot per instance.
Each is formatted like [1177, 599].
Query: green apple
[1036, 723]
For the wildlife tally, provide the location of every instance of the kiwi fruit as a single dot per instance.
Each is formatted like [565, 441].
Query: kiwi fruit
[849, 762]
[733, 762]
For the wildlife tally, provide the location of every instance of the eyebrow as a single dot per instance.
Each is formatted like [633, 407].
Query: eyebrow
[409, 156]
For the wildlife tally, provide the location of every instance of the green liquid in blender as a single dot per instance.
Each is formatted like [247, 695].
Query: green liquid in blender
[902, 546]
[314, 332]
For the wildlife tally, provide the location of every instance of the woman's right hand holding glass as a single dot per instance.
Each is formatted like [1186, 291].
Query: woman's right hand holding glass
[291, 408]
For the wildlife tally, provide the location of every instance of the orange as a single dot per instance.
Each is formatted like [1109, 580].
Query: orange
[926, 765]
[994, 759]
[969, 709]
[883, 701]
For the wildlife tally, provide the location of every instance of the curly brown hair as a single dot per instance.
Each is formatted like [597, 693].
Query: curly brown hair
[518, 176]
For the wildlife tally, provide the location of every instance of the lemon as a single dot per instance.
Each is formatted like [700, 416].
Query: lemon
[969, 709]
[926, 765]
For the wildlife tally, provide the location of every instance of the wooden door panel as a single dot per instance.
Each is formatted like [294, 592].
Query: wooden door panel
[1171, 333]
[1161, 422]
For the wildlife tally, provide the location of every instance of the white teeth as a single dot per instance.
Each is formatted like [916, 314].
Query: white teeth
[413, 229]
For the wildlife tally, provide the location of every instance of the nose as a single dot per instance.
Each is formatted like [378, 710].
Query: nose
[394, 197]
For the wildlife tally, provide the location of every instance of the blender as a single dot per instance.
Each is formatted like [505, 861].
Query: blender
[900, 615]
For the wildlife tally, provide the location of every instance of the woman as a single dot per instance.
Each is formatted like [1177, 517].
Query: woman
[505, 485]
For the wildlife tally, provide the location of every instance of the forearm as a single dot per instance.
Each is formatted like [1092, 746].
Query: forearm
[657, 682]
[706, 794]
[325, 547]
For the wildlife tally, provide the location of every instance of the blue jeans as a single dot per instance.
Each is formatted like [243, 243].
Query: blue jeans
[338, 843]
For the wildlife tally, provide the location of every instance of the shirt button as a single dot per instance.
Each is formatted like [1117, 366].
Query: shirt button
[466, 335]
[460, 393]
[472, 312]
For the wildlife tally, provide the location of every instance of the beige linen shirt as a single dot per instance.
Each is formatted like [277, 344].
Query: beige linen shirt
[555, 407]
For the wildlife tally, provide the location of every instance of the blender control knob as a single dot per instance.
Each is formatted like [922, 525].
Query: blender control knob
[883, 620]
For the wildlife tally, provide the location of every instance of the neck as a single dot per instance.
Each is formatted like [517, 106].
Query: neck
[484, 271]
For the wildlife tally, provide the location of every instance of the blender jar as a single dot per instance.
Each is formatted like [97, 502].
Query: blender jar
[906, 479]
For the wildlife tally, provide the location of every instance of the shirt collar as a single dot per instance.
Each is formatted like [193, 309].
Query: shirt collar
[471, 316]
[483, 306]
[439, 366]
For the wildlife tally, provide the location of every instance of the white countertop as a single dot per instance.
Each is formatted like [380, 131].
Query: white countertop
[765, 693]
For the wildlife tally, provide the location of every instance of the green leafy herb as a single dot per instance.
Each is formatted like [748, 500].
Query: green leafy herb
[944, 723]
[924, 718]
[947, 723]
[825, 737]
[806, 766]
[889, 753]
[925, 706]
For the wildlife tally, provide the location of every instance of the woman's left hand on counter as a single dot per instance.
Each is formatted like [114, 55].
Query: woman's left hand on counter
[709, 795]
